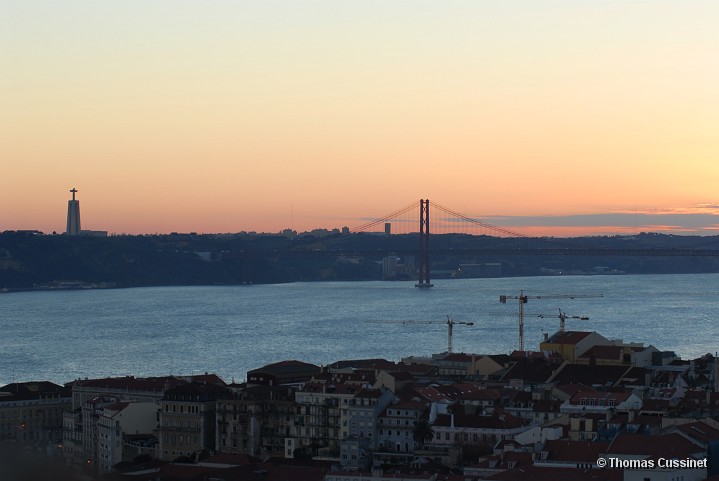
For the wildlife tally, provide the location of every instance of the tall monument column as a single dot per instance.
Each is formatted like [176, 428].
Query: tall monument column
[73, 215]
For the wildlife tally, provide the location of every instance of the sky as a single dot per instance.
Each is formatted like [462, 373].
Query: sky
[552, 117]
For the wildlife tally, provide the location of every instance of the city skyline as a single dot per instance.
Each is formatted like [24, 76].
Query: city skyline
[547, 117]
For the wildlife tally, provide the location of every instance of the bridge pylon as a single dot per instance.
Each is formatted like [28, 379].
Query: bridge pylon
[423, 265]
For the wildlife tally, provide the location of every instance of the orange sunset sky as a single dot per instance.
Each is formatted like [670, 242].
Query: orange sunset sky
[555, 117]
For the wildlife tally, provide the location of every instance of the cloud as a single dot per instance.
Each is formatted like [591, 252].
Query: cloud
[708, 209]
[695, 220]
[669, 221]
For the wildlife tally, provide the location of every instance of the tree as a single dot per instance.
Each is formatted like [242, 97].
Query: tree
[423, 432]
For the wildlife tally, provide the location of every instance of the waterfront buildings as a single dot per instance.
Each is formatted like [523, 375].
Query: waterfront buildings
[534, 414]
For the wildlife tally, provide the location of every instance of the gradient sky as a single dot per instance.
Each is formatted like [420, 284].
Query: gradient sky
[554, 116]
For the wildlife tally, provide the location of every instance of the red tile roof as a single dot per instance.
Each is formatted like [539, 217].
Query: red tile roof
[131, 383]
[571, 389]
[617, 397]
[655, 405]
[431, 394]
[575, 451]
[700, 431]
[286, 367]
[383, 364]
[666, 445]
[569, 337]
[610, 353]
[536, 473]
[591, 375]
[408, 406]
[118, 406]
[496, 420]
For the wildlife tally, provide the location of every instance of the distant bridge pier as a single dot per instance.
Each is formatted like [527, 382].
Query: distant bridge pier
[246, 268]
[423, 266]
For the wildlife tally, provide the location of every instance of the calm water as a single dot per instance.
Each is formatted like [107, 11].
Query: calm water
[60, 336]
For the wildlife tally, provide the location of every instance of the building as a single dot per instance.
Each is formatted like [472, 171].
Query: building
[257, 421]
[647, 452]
[363, 419]
[463, 429]
[599, 402]
[363, 413]
[33, 411]
[397, 424]
[322, 415]
[188, 419]
[116, 423]
[73, 215]
[572, 344]
[617, 355]
[80, 424]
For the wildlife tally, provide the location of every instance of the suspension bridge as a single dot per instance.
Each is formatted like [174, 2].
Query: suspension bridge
[416, 217]
[423, 231]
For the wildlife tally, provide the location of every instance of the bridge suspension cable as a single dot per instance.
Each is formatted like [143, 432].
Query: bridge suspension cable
[479, 223]
[395, 214]
[439, 223]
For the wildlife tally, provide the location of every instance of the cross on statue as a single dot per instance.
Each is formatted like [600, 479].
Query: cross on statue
[73, 190]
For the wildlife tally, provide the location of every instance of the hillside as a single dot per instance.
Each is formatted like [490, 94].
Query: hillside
[31, 260]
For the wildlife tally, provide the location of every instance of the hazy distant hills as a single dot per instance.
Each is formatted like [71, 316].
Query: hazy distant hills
[30, 260]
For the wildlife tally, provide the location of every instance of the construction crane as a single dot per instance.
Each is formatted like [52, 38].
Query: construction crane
[523, 300]
[450, 327]
[562, 316]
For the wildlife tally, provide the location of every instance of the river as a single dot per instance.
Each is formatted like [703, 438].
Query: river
[63, 335]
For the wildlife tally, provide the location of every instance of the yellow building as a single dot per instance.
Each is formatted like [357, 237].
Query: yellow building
[572, 344]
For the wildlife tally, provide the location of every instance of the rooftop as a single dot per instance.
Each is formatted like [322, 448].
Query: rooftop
[568, 337]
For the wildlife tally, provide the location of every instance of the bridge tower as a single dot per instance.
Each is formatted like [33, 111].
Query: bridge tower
[423, 266]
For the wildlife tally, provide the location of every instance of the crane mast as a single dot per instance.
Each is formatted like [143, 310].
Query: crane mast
[522, 298]
[450, 326]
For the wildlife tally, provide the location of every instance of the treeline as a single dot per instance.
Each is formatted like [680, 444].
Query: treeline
[29, 260]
